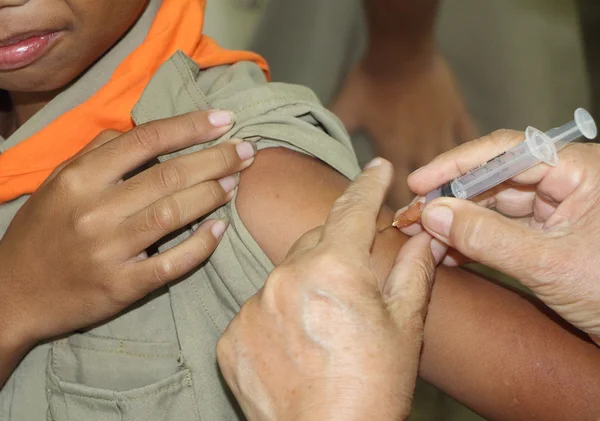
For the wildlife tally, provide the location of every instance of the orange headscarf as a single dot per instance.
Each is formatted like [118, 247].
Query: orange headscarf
[177, 26]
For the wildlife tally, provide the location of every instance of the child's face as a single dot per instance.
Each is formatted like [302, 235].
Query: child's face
[46, 44]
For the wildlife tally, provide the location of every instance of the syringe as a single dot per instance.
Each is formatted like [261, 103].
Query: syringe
[538, 147]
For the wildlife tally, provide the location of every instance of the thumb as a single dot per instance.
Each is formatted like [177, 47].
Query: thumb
[305, 243]
[408, 288]
[486, 236]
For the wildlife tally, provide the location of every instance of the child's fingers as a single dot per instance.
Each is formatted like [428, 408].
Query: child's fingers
[173, 212]
[462, 159]
[178, 174]
[111, 161]
[104, 137]
[143, 277]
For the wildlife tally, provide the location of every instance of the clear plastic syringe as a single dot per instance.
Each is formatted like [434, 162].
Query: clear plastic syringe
[538, 147]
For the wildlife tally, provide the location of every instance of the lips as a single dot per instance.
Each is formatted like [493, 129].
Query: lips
[22, 50]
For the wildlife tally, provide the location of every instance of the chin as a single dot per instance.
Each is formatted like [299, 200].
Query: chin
[36, 79]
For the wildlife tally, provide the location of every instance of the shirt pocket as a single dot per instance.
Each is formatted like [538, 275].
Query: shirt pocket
[93, 378]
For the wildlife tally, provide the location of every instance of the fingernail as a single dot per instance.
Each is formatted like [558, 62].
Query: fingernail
[374, 163]
[246, 150]
[219, 228]
[438, 249]
[400, 212]
[416, 199]
[405, 208]
[438, 219]
[220, 118]
[230, 182]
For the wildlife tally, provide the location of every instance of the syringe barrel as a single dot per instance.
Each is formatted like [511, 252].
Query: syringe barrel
[494, 172]
[538, 147]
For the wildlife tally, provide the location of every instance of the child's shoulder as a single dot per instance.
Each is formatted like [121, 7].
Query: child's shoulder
[273, 114]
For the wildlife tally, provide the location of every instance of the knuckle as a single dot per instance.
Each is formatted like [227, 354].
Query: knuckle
[503, 136]
[86, 222]
[222, 158]
[70, 178]
[468, 238]
[171, 176]
[309, 239]
[423, 269]
[332, 267]
[279, 287]
[224, 347]
[214, 193]
[165, 270]
[147, 137]
[359, 196]
[205, 245]
[107, 134]
[278, 277]
[114, 292]
[191, 124]
[166, 214]
[345, 207]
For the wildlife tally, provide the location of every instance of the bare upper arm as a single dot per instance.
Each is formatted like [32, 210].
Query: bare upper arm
[285, 194]
[484, 345]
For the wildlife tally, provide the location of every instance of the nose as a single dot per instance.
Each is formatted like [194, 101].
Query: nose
[12, 3]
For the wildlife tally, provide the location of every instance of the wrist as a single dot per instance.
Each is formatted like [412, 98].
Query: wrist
[398, 59]
[365, 406]
[13, 342]
[15, 336]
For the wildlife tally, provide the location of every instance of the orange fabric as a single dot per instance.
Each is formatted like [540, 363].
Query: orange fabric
[177, 26]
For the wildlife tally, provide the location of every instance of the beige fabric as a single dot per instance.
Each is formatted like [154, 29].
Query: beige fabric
[157, 361]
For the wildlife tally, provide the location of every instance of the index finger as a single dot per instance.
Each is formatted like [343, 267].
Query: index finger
[104, 137]
[351, 224]
[112, 160]
[462, 159]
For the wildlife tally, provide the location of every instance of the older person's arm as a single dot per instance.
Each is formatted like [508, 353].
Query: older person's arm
[324, 339]
[400, 31]
[403, 93]
[486, 346]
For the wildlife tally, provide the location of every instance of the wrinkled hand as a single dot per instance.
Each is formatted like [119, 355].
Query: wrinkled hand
[551, 238]
[74, 254]
[322, 340]
[411, 115]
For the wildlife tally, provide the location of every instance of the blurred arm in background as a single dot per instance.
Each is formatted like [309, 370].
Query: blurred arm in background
[402, 93]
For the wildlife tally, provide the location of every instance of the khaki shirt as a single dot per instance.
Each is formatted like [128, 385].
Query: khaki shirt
[157, 361]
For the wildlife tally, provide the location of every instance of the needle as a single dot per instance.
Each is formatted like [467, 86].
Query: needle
[393, 224]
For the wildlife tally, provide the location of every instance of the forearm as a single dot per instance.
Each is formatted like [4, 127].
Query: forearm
[12, 347]
[400, 31]
[13, 339]
[501, 356]
[11, 354]
[498, 354]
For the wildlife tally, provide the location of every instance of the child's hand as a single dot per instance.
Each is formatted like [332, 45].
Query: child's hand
[74, 255]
